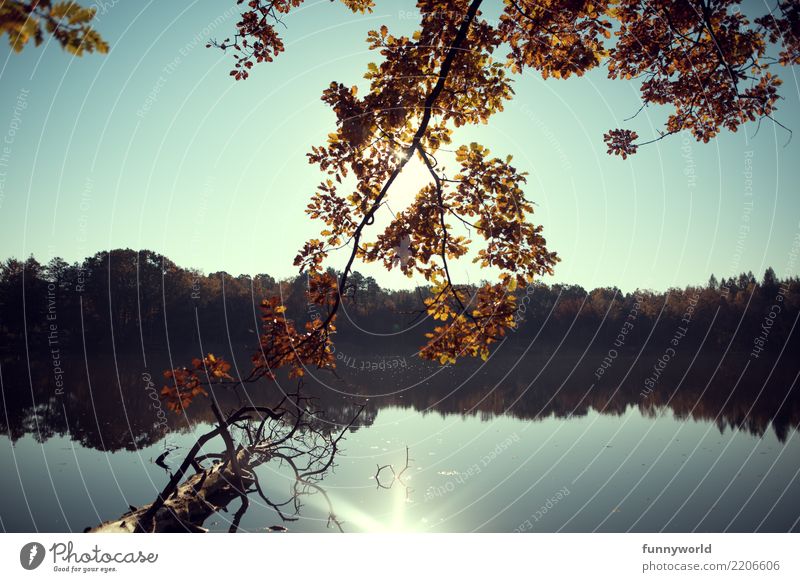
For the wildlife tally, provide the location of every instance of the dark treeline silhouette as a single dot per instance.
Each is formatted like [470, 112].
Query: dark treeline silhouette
[128, 297]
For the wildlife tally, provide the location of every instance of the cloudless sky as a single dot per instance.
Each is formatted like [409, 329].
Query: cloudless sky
[154, 146]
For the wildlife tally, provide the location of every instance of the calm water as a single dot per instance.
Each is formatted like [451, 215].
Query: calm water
[524, 442]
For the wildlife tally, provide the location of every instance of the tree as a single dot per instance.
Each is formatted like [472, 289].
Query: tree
[704, 59]
[770, 278]
[68, 23]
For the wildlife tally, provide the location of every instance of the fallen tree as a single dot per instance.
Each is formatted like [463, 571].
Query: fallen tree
[292, 434]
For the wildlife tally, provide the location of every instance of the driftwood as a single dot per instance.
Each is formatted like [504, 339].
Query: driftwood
[190, 505]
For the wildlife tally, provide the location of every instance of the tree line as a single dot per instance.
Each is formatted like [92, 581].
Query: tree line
[129, 297]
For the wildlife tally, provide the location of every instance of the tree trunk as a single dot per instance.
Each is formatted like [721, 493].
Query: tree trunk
[190, 505]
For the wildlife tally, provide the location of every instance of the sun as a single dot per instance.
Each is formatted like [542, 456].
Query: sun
[397, 521]
[411, 180]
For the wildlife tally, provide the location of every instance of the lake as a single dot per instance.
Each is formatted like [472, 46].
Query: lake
[528, 441]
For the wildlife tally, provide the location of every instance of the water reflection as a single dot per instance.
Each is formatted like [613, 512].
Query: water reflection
[115, 405]
[541, 403]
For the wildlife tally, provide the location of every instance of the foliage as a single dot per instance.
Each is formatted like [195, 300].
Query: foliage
[257, 40]
[68, 22]
[705, 58]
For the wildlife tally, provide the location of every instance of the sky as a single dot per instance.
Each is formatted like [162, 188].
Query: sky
[154, 146]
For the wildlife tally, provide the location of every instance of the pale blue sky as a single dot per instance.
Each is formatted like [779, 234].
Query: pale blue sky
[155, 146]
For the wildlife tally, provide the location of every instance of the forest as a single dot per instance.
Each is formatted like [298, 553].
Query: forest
[126, 298]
